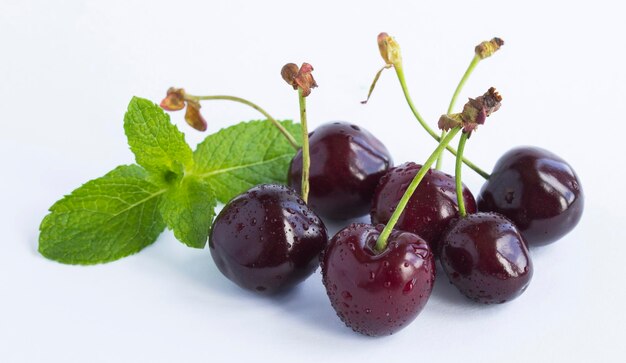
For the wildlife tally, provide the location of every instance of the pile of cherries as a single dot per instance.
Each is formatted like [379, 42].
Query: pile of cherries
[268, 239]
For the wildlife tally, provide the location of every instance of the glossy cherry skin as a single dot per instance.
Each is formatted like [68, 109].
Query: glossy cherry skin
[377, 293]
[430, 209]
[267, 239]
[486, 258]
[538, 191]
[346, 163]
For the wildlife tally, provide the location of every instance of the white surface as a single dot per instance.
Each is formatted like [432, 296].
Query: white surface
[68, 70]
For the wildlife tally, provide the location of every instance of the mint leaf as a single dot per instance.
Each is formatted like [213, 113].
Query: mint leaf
[158, 145]
[105, 219]
[188, 209]
[239, 157]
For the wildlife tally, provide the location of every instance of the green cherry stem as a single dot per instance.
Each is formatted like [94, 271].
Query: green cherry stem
[278, 125]
[462, 82]
[409, 100]
[420, 119]
[457, 174]
[457, 91]
[306, 159]
[381, 243]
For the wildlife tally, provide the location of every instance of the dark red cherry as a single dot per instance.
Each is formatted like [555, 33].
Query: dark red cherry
[430, 209]
[346, 163]
[538, 191]
[377, 293]
[267, 239]
[486, 258]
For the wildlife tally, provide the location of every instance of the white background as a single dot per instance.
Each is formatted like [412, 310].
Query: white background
[68, 70]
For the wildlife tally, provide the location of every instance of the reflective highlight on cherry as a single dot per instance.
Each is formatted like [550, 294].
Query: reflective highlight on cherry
[346, 163]
[377, 293]
[267, 239]
[486, 258]
[538, 191]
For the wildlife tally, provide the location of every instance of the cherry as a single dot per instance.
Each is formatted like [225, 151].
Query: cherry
[486, 258]
[267, 239]
[537, 190]
[430, 209]
[377, 293]
[346, 163]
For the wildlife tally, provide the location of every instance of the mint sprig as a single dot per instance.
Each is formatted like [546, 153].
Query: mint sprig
[188, 210]
[158, 145]
[105, 219]
[124, 211]
[244, 155]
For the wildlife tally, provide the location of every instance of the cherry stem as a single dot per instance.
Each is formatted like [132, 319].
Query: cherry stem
[457, 91]
[306, 159]
[278, 125]
[433, 134]
[407, 96]
[457, 175]
[381, 243]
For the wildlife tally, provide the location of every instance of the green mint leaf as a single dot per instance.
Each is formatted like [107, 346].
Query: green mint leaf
[104, 220]
[158, 145]
[188, 209]
[239, 157]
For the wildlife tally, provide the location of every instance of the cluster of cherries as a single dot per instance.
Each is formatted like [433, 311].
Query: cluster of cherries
[379, 276]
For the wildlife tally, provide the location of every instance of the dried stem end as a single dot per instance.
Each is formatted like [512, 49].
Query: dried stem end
[487, 48]
[389, 49]
[299, 77]
[174, 100]
[474, 113]
[390, 52]
[193, 116]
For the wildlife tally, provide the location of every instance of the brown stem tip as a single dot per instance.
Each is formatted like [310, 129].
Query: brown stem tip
[193, 116]
[474, 113]
[389, 49]
[390, 52]
[487, 48]
[174, 100]
[299, 77]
